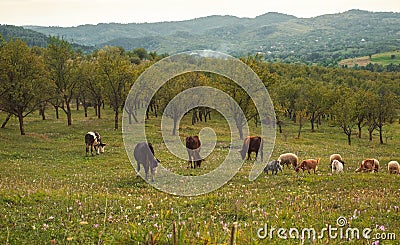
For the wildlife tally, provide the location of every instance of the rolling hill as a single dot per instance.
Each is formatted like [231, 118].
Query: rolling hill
[34, 38]
[323, 40]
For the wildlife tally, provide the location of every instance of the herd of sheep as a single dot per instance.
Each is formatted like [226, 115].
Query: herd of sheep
[335, 160]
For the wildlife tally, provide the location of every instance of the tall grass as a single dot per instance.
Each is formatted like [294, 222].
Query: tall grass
[50, 192]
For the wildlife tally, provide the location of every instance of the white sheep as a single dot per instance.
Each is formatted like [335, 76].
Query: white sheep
[337, 166]
[394, 167]
[335, 157]
[288, 159]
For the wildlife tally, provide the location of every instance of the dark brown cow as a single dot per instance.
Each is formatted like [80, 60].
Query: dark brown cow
[252, 144]
[193, 145]
[144, 154]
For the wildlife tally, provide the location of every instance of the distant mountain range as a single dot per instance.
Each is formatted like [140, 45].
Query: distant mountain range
[323, 40]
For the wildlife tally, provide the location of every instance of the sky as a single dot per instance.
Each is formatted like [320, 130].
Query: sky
[78, 12]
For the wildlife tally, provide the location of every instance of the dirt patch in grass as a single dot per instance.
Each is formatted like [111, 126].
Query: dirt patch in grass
[38, 136]
[361, 61]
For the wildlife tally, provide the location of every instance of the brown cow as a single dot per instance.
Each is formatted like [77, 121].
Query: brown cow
[193, 145]
[307, 165]
[368, 165]
[252, 144]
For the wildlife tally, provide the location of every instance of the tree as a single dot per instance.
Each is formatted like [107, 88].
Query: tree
[59, 59]
[387, 104]
[91, 88]
[115, 74]
[345, 112]
[22, 82]
[364, 108]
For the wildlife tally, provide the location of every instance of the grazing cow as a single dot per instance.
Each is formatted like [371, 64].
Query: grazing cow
[336, 157]
[274, 166]
[193, 145]
[337, 166]
[93, 139]
[307, 165]
[394, 167]
[368, 165]
[144, 154]
[252, 144]
[288, 159]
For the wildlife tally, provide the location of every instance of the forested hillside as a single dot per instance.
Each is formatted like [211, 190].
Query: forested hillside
[34, 38]
[322, 40]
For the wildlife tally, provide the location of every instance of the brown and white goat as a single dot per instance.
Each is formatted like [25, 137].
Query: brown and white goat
[368, 165]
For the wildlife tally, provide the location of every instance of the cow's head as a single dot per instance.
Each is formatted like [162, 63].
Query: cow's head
[243, 153]
[101, 147]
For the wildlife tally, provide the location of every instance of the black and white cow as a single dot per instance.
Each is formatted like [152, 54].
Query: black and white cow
[93, 139]
[144, 154]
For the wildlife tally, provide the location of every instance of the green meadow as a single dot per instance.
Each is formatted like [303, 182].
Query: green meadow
[52, 193]
[386, 58]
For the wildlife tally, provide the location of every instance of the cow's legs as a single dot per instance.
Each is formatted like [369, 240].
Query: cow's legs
[248, 155]
[197, 158]
[87, 149]
[152, 174]
[97, 149]
[146, 170]
[189, 159]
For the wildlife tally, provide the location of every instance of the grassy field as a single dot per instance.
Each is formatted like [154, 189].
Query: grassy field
[50, 192]
[381, 59]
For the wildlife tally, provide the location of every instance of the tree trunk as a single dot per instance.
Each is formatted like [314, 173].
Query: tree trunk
[85, 109]
[300, 126]
[116, 119]
[349, 138]
[380, 135]
[69, 115]
[99, 109]
[312, 120]
[279, 126]
[174, 129]
[370, 135]
[194, 117]
[77, 104]
[41, 112]
[240, 129]
[6, 121]
[21, 123]
[359, 130]
[57, 114]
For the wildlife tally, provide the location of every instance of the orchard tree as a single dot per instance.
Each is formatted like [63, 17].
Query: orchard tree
[345, 111]
[59, 59]
[115, 74]
[386, 110]
[90, 85]
[23, 86]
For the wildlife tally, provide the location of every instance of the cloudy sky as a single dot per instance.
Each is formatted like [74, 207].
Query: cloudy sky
[78, 12]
